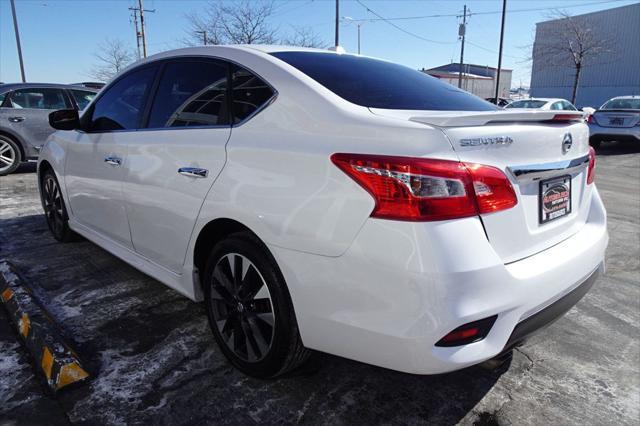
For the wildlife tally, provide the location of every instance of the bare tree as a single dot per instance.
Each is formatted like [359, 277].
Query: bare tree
[239, 22]
[571, 42]
[304, 37]
[113, 56]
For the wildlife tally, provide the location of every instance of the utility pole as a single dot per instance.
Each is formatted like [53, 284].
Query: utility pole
[504, 11]
[461, 32]
[135, 23]
[140, 9]
[204, 36]
[15, 27]
[337, 23]
[359, 24]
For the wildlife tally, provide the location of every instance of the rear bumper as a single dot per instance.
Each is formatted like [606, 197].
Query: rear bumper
[551, 313]
[614, 133]
[402, 286]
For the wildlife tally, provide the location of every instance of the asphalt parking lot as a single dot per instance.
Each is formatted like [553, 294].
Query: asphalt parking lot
[153, 358]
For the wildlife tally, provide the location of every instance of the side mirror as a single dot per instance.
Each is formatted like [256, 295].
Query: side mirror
[64, 119]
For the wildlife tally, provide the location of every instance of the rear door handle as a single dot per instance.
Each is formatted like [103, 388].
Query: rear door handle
[193, 172]
[114, 161]
[16, 119]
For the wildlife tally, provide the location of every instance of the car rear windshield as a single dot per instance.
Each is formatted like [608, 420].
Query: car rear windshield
[379, 84]
[526, 104]
[622, 104]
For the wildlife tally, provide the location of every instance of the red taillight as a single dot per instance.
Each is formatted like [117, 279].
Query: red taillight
[591, 172]
[590, 118]
[567, 117]
[417, 189]
[468, 333]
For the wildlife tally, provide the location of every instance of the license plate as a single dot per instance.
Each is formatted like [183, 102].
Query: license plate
[616, 121]
[555, 198]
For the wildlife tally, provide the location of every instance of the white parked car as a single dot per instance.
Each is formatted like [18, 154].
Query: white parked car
[546, 104]
[326, 201]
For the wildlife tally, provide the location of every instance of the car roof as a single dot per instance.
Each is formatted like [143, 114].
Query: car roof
[13, 86]
[626, 97]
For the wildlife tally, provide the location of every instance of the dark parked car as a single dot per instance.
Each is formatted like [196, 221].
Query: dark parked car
[24, 117]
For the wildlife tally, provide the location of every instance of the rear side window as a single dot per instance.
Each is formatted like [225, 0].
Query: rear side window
[82, 97]
[121, 106]
[378, 84]
[191, 93]
[45, 98]
[250, 93]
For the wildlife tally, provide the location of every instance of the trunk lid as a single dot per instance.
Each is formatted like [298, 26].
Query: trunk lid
[617, 118]
[528, 148]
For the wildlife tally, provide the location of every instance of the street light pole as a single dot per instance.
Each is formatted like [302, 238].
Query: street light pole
[204, 36]
[337, 23]
[359, 38]
[504, 11]
[15, 26]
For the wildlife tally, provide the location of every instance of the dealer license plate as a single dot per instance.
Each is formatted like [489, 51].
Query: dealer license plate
[555, 198]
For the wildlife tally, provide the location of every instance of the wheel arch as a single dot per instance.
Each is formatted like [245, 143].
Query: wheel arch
[213, 232]
[18, 141]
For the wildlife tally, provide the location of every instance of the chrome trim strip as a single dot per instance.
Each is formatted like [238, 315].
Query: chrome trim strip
[533, 172]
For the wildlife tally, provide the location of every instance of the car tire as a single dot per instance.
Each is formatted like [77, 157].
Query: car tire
[595, 143]
[249, 308]
[10, 155]
[55, 210]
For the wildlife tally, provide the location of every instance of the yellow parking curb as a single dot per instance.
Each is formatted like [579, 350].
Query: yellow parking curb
[54, 357]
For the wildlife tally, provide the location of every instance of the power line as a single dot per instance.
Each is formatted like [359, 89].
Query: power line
[402, 29]
[457, 15]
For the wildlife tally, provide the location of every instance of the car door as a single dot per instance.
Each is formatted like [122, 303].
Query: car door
[172, 163]
[26, 112]
[97, 156]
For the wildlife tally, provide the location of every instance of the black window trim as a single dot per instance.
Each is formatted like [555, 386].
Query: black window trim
[160, 64]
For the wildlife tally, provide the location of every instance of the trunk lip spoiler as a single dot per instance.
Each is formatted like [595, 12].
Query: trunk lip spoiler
[533, 172]
[453, 119]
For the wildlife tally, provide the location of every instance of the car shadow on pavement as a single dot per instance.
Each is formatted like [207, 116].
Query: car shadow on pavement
[618, 148]
[152, 355]
[29, 167]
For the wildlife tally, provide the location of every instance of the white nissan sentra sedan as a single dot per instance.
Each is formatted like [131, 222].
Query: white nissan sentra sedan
[332, 202]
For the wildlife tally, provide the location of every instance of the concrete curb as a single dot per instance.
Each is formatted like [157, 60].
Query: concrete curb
[38, 331]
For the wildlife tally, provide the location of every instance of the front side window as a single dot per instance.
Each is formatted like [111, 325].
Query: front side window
[379, 84]
[45, 98]
[249, 93]
[82, 97]
[191, 93]
[121, 106]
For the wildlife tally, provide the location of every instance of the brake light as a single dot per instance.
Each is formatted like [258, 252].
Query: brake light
[416, 189]
[591, 171]
[590, 118]
[567, 117]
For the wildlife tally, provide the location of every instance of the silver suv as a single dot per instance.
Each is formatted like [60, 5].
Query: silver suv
[24, 117]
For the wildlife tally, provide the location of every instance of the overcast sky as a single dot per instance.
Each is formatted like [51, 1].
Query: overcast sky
[60, 37]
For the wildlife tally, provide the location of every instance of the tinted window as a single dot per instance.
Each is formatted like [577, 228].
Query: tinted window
[39, 99]
[121, 106]
[249, 93]
[379, 84]
[623, 103]
[556, 105]
[2, 96]
[191, 94]
[526, 104]
[82, 97]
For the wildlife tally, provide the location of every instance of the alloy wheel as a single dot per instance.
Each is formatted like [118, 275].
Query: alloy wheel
[53, 207]
[242, 307]
[8, 155]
